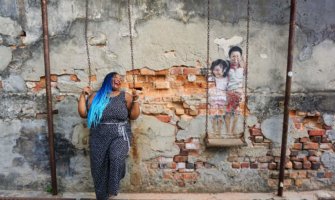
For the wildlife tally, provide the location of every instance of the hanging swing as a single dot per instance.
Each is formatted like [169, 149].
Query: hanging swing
[232, 141]
[88, 52]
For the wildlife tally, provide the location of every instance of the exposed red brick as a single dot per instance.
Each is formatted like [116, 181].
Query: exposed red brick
[263, 166]
[168, 175]
[313, 153]
[147, 72]
[277, 159]
[316, 165]
[189, 176]
[74, 78]
[245, 165]
[164, 118]
[135, 72]
[272, 166]
[297, 165]
[273, 183]
[181, 183]
[259, 139]
[139, 78]
[265, 159]
[316, 139]
[138, 85]
[173, 165]
[232, 158]
[294, 158]
[176, 71]
[193, 112]
[93, 78]
[299, 126]
[325, 139]
[236, 165]
[180, 111]
[316, 132]
[180, 158]
[327, 127]
[326, 146]
[311, 145]
[297, 146]
[328, 174]
[254, 165]
[192, 146]
[162, 72]
[162, 85]
[293, 174]
[302, 174]
[54, 77]
[300, 182]
[199, 165]
[289, 165]
[311, 174]
[188, 70]
[304, 139]
[307, 165]
[294, 153]
[313, 113]
[314, 159]
[288, 182]
[301, 113]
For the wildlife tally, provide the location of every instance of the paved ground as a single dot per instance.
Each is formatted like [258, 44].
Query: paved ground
[309, 195]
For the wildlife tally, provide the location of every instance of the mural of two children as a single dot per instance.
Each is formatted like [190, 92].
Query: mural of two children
[226, 96]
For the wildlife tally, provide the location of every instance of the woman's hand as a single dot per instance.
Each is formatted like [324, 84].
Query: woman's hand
[135, 95]
[87, 90]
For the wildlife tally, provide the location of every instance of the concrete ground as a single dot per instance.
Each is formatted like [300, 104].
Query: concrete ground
[288, 195]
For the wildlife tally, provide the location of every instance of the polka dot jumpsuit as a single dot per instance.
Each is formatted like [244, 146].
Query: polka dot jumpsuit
[109, 147]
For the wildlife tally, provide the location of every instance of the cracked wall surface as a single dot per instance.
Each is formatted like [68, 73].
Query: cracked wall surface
[169, 52]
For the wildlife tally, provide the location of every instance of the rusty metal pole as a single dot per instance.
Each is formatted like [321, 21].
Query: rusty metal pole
[48, 95]
[289, 74]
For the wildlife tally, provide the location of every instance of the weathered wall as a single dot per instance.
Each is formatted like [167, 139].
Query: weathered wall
[170, 39]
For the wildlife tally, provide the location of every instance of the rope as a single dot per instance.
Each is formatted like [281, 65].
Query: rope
[87, 49]
[207, 62]
[246, 69]
[131, 44]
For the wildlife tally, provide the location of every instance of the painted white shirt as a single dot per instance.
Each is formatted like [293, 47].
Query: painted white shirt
[235, 78]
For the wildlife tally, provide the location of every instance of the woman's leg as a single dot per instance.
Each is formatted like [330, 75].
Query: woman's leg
[118, 151]
[99, 155]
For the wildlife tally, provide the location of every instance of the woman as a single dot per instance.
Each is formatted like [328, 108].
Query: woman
[108, 112]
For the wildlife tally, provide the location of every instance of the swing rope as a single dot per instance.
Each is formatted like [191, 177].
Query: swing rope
[131, 44]
[87, 49]
[207, 63]
[246, 69]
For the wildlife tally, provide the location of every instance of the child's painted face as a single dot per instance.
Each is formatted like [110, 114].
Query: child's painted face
[217, 71]
[235, 57]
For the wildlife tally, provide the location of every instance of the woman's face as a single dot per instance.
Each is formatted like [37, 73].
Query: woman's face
[217, 71]
[116, 82]
[235, 57]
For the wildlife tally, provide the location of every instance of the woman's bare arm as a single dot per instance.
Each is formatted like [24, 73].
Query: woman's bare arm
[133, 105]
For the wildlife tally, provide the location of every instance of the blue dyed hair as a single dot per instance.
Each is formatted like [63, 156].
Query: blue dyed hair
[100, 101]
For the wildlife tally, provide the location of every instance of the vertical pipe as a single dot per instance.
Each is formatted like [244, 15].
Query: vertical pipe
[48, 95]
[287, 97]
